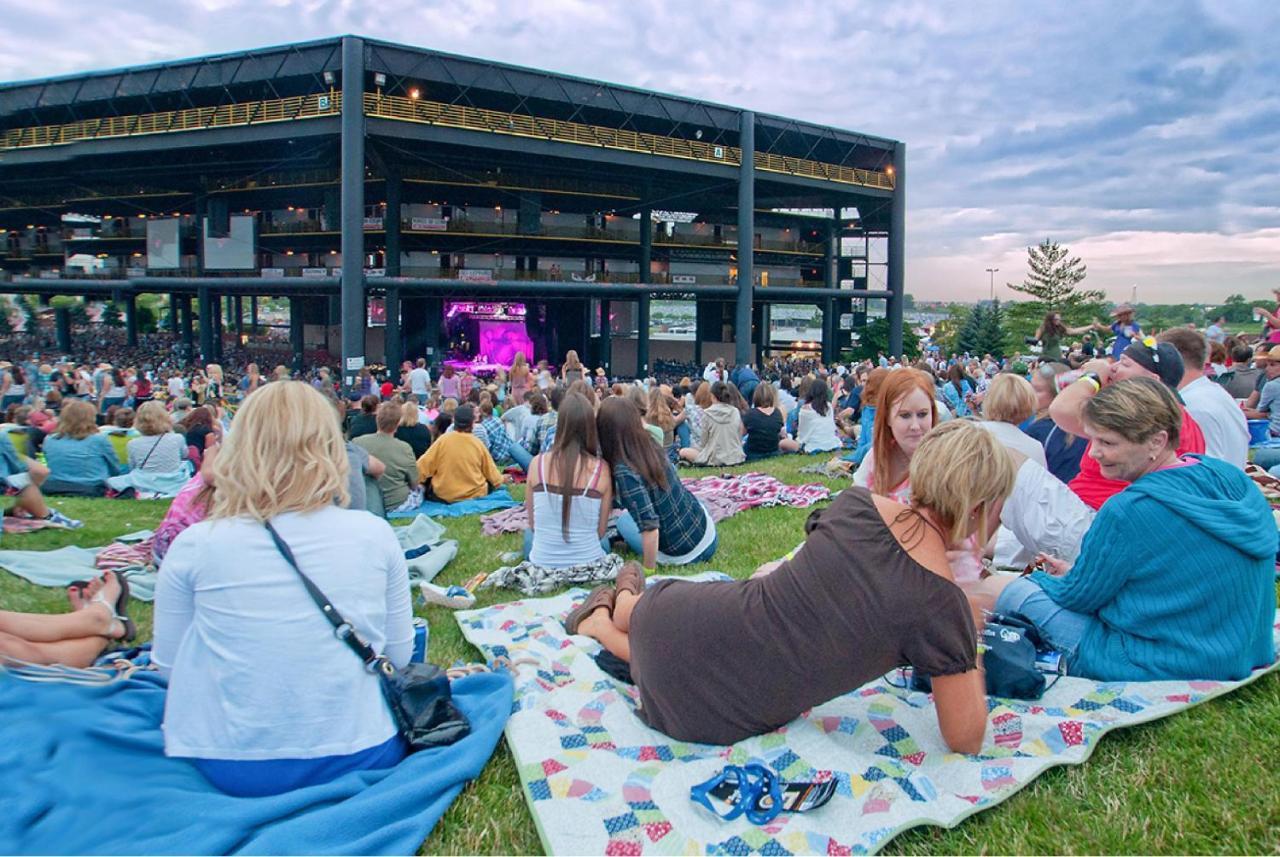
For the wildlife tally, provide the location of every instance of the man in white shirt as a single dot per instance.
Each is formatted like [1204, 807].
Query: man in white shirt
[177, 386]
[1226, 434]
[1216, 331]
[420, 381]
[715, 372]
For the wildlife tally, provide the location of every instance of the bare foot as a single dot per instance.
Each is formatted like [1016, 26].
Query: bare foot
[103, 593]
[597, 620]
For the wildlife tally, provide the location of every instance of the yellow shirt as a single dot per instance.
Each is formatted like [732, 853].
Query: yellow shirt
[459, 467]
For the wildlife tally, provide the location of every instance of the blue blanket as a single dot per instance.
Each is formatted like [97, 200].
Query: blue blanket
[85, 773]
[500, 499]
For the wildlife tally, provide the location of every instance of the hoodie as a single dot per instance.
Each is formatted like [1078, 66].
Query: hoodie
[1177, 575]
[721, 436]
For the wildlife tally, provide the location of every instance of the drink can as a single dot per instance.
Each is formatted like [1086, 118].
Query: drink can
[420, 635]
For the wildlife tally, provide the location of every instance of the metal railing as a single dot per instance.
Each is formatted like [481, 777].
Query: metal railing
[191, 119]
[431, 113]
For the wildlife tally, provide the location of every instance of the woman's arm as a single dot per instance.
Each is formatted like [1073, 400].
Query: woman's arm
[606, 498]
[1270, 317]
[1084, 328]
[399, 629]
[529, 485]
[961, 703]
[174, 604]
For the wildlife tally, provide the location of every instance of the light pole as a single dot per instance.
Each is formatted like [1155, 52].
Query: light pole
[992, 272]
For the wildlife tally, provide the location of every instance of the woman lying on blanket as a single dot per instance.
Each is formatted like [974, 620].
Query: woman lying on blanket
[1175, 577]
[569, 494]
[262, 696]
[76, 639]
[870, 591]
[661, 520]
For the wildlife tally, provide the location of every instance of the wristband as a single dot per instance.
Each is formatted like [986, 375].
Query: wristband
[1093, 379]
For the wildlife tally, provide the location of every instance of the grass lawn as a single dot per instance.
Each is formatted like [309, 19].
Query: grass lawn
[1207, 780]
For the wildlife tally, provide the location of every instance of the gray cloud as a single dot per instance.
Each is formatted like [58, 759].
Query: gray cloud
[1126, 129]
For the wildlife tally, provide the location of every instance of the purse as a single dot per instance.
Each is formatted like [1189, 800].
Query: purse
[418, 696]
[1012, 662]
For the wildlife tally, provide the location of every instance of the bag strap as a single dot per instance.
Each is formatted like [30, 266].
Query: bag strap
[342, 629]
[151, 450]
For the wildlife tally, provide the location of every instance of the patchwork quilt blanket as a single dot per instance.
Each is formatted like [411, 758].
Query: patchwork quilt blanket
[598, 781]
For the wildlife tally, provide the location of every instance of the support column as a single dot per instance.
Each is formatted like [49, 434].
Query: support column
[238, 301]
[208, 319]
[433, 315]
[394, 343]
[897, 248]
[253, 315]
[746, 238]
[642, 314]
[185, 326]
[295, 331]
[131, 321]
[831, 279]
[606, 339]
[62, 326]
[352, 143]
[173, 313]
[215, 319]
[394, 338]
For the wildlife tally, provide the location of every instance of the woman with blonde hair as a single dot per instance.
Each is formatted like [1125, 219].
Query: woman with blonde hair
[1009, 402]
[248, 654]
[213, 387]
[870, 590]
[80, 459]
[412, 430]
[160, 449]
[521, 377]
[572, 369]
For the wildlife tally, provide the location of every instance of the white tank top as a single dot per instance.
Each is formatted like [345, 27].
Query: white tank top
[550, 548]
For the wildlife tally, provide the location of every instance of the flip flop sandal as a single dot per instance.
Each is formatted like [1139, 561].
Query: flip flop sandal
[630, 578]
[601, 596]
[453, 597]
[117, 610]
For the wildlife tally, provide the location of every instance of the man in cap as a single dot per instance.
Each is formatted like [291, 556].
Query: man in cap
[1125, 329]
[1268, 406]
[1143, 358]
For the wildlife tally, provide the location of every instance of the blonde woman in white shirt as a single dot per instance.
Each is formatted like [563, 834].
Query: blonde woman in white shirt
[262, 697]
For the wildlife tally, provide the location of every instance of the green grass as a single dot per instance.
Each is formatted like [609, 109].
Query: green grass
[1204, 781]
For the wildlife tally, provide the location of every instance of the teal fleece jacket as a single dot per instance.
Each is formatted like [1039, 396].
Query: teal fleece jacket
[1178, 570]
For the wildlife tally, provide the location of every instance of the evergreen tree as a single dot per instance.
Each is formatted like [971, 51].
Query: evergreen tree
[969, 337]
[111, 315]
[1052, 284]
[874, 339]
[991, 335]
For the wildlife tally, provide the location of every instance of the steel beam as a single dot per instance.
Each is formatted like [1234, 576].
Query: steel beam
[131, 321]
[643, 304]
[352, 143]
[746, 239]
[897, 256]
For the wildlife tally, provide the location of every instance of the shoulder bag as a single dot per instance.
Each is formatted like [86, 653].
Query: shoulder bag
[419, 696]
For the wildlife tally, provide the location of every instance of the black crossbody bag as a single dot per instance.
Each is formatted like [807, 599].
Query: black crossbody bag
[419, 696]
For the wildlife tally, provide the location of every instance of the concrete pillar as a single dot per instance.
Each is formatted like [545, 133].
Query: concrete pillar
[831, 280]
[746, 237]
[606, 338]
[394, 343]
[642, 314]
[238, 301]
[185, 326]
[173, 313]
[352, 144]
[62, 325]
[295, 331]
[392, 223]
[208, 321]
[897, 248]
[253, 315]
[131, 320]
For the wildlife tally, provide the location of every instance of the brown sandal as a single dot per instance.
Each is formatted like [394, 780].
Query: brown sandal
[601, 596]
[630, 578]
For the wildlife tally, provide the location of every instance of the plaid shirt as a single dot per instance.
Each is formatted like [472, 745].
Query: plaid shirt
[675, 513]
[496, 438]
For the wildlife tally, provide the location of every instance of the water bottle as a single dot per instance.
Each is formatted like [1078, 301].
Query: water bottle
[420, 635]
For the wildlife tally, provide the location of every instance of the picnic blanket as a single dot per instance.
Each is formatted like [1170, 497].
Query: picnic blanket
[532, 579]
[499, 499]
[15, 524]
[424, 532]
[598, 781]
[724, 497]
[85, 773]
[65, 565]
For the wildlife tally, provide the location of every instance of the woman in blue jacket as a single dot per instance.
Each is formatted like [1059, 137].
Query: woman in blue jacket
[1175, 577]
[79, 458]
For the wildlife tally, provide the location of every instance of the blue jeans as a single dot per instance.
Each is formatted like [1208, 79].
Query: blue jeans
[259, 778]
[630, 532]
[520, 455]
[684, 436]
[1062, 628]
[1266, 457]
[528, 543]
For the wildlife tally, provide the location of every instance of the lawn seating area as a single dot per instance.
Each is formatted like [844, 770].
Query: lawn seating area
[1202, 781]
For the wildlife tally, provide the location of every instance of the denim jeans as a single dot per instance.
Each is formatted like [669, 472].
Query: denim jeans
[520, 455]
[630, 532]
[1063, 628]
[683, 436]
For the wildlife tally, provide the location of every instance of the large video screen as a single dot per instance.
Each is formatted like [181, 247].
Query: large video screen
[235, 252]
[500, 340]
[164, 248]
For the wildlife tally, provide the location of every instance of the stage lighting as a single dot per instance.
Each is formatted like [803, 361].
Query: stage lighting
[329, 78]
[414, 94]
[379, 79]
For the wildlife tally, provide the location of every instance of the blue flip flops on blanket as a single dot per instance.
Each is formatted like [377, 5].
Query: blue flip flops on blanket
[85, 773]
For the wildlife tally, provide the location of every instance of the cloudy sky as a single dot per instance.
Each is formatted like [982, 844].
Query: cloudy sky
[1145, 135]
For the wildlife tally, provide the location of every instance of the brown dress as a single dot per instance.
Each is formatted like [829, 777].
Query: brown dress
[719, 662]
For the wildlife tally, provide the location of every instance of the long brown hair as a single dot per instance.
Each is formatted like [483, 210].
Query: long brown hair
[892, 389]
[623, 439]
[576, 444]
